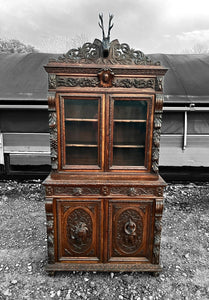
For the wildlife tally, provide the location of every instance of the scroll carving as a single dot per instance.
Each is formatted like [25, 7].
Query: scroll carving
[105, 79]
[70, 190]
[105, 190]
[73, 82]
[136, 83]
[118, 54]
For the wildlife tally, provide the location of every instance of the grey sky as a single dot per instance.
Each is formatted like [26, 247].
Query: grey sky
[166, 26]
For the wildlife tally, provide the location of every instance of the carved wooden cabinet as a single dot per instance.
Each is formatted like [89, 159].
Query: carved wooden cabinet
[104, 196]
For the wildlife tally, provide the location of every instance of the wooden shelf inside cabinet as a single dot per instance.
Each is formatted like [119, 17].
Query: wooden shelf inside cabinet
[128, 146]
[130, 121]
[80, 120]
[81, 145]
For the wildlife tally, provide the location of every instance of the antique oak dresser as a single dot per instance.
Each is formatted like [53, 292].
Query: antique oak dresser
[104, 196]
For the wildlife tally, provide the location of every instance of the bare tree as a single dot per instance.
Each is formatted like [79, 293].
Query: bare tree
[197, 49]
[79, 40]
[15, 46]
[62, 43]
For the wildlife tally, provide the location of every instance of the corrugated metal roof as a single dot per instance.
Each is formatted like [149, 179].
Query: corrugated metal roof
[22, 76]
[187, 79]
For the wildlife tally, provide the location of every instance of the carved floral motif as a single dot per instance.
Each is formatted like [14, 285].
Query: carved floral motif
[159, 84]
[52, 81]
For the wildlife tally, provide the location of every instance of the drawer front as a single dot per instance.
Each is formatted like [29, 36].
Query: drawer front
[130, 230]
[79, 230]
[103, 190]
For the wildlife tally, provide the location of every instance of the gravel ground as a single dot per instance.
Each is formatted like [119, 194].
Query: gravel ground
[184, 251]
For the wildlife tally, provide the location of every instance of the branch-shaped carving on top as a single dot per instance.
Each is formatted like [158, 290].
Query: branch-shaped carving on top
[92, 53]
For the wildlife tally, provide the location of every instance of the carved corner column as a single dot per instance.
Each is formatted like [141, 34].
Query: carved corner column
[156, 132]
[50, 229]
[54, 166]
[53, 130]
[157, 230]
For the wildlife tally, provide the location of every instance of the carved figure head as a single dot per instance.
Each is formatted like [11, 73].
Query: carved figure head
[106, 39]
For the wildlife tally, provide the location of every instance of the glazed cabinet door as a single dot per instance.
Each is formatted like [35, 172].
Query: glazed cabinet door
[79, 226]
[81, 132]
[130, 128]
[130, 230]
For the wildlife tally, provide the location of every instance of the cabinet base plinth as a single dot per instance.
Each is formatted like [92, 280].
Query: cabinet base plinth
[103, 267]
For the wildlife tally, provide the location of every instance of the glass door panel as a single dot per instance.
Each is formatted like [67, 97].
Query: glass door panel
[130, 110]
[129, 122]
[81, 126]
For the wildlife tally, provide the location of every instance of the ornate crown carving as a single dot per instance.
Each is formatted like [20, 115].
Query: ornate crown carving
[120, 54]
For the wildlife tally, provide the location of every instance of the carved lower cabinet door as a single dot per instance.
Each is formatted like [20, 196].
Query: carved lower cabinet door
[130, 231]
[79, 230]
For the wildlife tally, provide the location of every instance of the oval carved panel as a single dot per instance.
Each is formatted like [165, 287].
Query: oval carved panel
[79, 229]
[129, 231]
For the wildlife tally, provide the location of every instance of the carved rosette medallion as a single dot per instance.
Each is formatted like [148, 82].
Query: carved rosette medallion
[128, 231]
[79, 231]
[106, 78]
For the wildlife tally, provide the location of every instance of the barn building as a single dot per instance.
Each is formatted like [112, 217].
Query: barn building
[24, 134]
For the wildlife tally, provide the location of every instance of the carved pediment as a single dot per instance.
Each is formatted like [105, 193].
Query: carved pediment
[92, 53]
